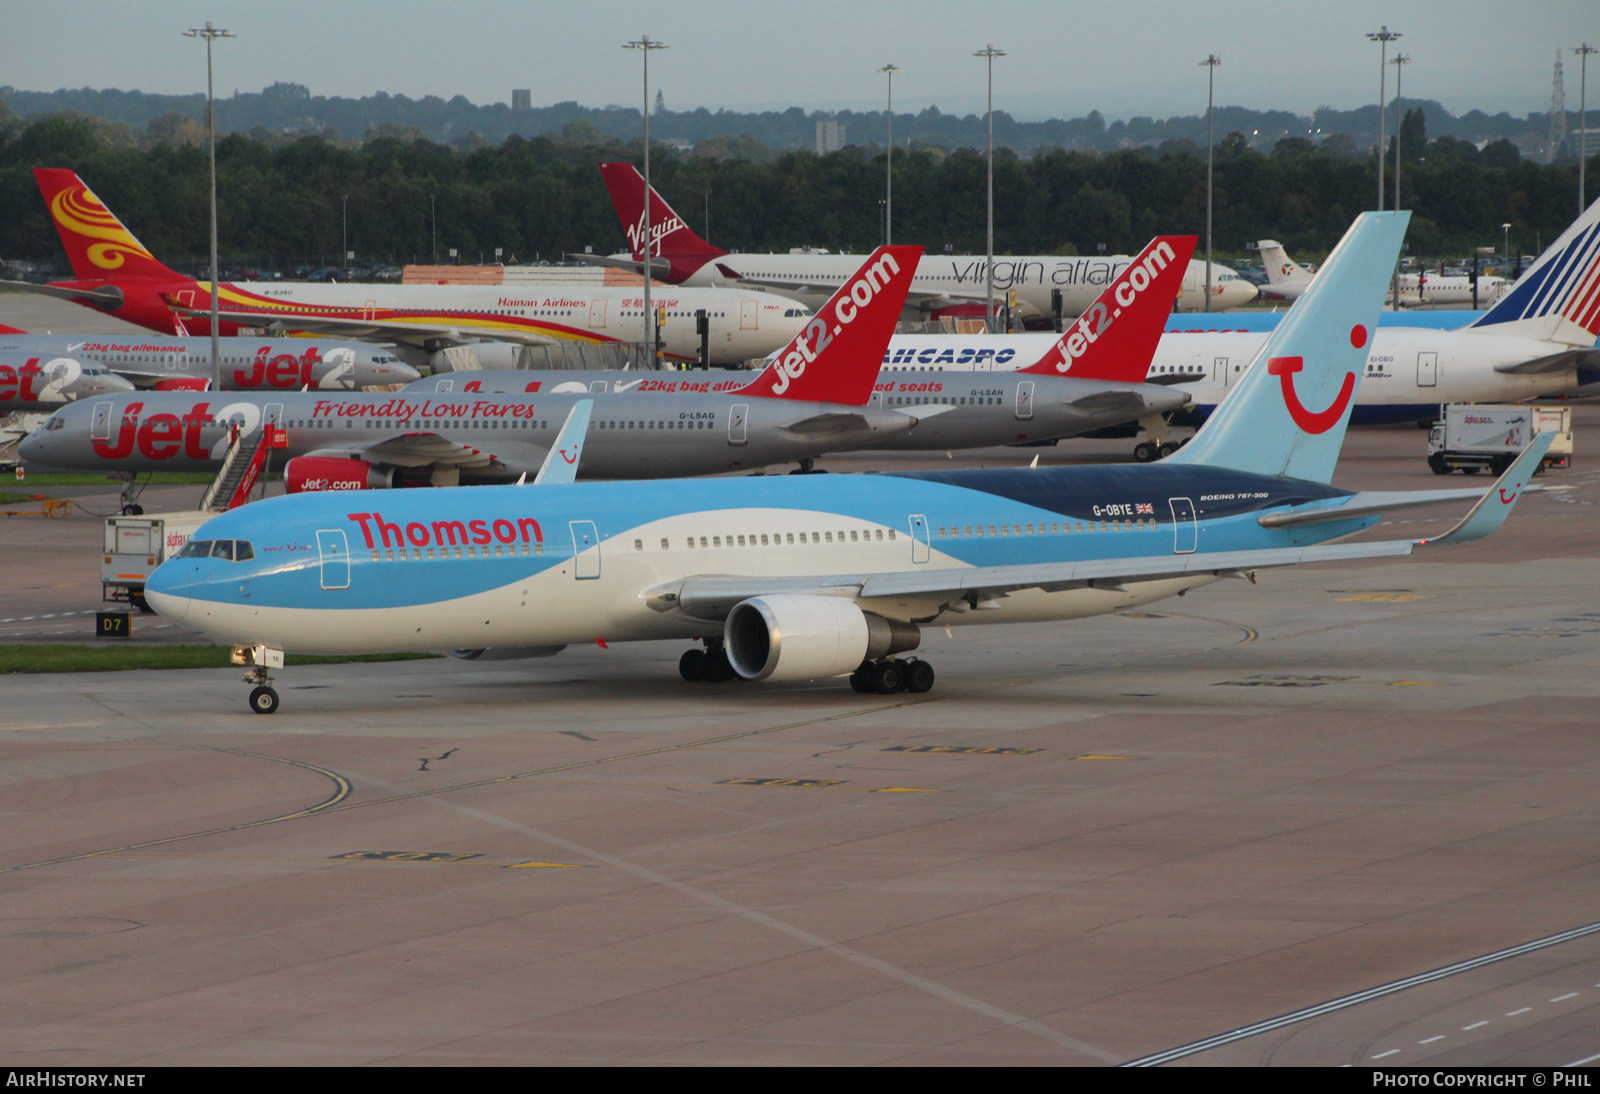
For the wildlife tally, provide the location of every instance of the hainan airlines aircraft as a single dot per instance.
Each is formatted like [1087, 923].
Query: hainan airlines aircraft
[787, 578]
[115, 273]
[944, 285]
[248, 364]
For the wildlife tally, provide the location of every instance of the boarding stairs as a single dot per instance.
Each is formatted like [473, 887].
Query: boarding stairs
[242, 467]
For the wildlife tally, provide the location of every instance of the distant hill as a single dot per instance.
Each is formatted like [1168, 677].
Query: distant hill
[291, 109]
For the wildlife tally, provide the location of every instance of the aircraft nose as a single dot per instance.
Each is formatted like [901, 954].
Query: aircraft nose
[34, 447]
[167, 588]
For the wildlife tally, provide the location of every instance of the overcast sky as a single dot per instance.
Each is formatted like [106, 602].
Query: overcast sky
[1064, 58]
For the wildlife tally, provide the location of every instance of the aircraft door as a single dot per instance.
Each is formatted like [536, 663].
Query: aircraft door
[585, 550]
[272, 414]
[1025, 400]
[599, 387]
[1183, 526]
[919, 539]
[1427, 370]
[445, 385]
[738, 416]
[100, 426]
[335, 553]
[1219, 371]
[597, 314]
[369, 310]
[749, 312]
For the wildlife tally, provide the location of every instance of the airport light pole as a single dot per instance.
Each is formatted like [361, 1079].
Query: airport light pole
[433, 213]
[344, 228]
[1505, 230]
[1583, 52]
[1399, 63]
[990, 53]
[211, 33]
[1383, 37]
[888, 178]
[644, 45]
[1211, 62]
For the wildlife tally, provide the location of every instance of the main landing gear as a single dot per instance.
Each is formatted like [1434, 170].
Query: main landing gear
[709, 666]
[261, 661]
[1149, 451]
[889, 676]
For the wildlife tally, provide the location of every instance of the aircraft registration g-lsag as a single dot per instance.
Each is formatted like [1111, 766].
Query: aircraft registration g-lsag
[813, 398]
[804, 577]
[115, 273]
[945, 285]
[1091, 378]
[248, 364]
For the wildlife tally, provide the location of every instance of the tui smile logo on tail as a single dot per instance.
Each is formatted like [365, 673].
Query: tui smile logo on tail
[1315, 422]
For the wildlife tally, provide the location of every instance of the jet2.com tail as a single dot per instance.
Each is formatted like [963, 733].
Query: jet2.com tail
[671, 238]
[836, 358]
[99, 247]
[1288, 415]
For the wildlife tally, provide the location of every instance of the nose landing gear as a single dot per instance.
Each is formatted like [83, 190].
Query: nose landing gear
[261, 660]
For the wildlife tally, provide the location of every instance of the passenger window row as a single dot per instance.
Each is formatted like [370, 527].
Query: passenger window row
[780, 539]
[1056, 528]
[469, 550]
[697, 423]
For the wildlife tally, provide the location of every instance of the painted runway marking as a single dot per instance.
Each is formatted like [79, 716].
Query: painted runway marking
[1562, 998]
[1305, 1014]
[1514, 1013]
[1475, 1025]
[1431, 1040]
[1381, 1055]
[1586, 1059]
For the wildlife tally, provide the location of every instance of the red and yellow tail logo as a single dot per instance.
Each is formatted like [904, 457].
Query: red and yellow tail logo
[97, 244]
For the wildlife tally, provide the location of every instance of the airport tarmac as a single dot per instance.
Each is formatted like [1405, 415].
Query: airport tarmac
[1092, 843]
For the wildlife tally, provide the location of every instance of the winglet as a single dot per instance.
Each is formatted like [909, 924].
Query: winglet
[561, 462]
[1496, 504]
[1117, 335]
[836, 358]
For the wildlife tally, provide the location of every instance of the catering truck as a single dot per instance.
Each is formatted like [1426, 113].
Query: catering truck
[136, 545]
[1471, 436]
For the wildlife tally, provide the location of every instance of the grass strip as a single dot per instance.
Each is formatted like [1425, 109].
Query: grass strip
[88, 478]
[120, 658]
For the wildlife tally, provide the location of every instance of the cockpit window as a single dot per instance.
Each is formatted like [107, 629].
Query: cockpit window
[54, 424]
[234, 550]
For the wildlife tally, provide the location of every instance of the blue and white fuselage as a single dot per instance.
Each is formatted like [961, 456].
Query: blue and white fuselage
[521, 566]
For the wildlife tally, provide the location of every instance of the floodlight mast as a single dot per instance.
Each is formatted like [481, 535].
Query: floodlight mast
[211, 33]
[644, 45]
[888, 184]
[1211, 62]
[990, 53]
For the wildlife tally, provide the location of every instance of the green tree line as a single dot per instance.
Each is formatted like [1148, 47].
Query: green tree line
[544, 197]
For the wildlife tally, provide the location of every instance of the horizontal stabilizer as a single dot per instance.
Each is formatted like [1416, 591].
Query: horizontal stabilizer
[1366, 504]
[107, 296]
[1555, 362]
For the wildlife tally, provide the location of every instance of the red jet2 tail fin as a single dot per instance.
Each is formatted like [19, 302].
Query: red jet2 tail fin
[670, 236]
[1117, 336]
[98, 246]
[836, 358]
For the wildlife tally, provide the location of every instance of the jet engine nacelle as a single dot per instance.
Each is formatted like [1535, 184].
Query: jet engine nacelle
[796, 637]
[183, 383]
[506, 653]
[307, 474]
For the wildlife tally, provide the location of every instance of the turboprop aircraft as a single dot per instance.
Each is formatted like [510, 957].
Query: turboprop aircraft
[813, 398]
[799, 578]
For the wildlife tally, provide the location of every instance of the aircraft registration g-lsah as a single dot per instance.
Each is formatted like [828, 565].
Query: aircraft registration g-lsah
[248, 364]
[114, 273]
[804, 577]
[813, 398]
[1538, 340]
[1081, 382]
[944, 285]
[32, 384]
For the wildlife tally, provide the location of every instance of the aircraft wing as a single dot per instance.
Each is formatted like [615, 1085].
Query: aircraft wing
[923, 301]
[964, 588]
[414, 450]
[1555, 362]
[412, 332]
[659, 267]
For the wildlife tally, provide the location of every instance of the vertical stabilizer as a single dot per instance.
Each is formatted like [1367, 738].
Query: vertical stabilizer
[1116, 336]
[1558, 299]
[1287, 416]
[1281, 269]
[671, 237]
[836, 358]
[98, 246]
